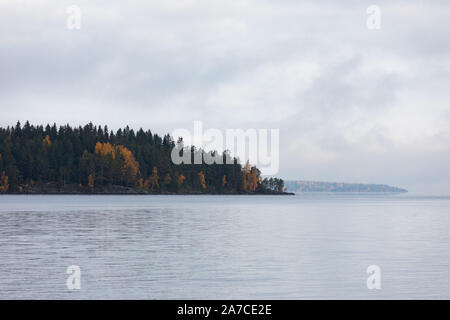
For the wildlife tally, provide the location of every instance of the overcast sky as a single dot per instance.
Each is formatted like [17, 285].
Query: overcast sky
[352, 104]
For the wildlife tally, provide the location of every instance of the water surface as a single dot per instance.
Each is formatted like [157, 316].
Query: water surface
[224, 247]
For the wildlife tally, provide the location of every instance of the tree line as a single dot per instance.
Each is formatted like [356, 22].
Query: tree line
[93, 159]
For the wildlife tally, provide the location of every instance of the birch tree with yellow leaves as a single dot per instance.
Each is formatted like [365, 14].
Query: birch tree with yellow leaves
[4, 185]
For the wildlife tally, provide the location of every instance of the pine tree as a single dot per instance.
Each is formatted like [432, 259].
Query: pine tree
[167, 179]
[91, 180]
[201, 177]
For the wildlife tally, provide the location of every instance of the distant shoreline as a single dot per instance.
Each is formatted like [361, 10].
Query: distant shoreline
[301, 186]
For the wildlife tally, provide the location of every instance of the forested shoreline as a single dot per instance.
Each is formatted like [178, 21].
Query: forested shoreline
[94, 160]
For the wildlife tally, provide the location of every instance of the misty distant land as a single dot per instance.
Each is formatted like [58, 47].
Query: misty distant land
[300, 186]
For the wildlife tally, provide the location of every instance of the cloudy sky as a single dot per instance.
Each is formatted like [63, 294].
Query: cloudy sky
[352, 104]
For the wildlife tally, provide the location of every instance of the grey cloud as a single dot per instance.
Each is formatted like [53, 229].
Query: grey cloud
[162, 65]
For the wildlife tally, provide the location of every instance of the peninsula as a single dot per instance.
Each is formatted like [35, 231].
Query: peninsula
[94, 160]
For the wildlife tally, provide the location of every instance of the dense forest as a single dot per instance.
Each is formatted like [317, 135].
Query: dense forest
[93, 159]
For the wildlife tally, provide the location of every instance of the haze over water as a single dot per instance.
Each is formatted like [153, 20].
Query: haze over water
[225, 247]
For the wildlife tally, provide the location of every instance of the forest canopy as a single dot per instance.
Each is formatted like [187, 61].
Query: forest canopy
[93, 159]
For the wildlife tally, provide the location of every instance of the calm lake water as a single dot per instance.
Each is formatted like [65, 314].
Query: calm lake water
[225, 247]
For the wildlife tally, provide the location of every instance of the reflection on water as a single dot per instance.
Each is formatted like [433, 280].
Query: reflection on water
[224, 247]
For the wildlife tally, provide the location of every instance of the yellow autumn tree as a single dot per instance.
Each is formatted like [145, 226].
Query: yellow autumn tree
[247, 168]
[46, 142]
[153, 180]
[245, 183]
[245, 174]
[224, 181]
[131, 166]
[181, 179]
[253, 180]
[4, 185]
[105, 149]
[201, 177]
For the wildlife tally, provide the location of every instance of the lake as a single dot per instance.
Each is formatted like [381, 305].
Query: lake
[224, 247]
